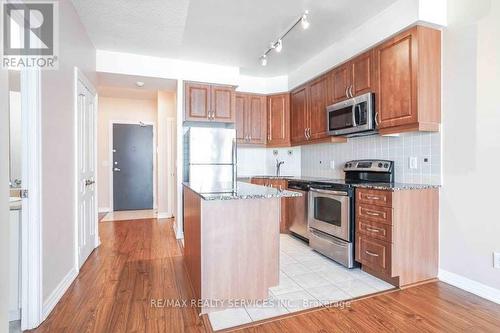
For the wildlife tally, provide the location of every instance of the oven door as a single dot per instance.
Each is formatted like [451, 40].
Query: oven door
[329, 212]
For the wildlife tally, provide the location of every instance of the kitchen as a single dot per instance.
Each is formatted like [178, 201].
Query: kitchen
[362, 142]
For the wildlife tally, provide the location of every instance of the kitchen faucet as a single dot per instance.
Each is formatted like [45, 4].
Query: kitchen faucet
[278, 167]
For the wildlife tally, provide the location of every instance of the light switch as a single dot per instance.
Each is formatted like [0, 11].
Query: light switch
[332, 164]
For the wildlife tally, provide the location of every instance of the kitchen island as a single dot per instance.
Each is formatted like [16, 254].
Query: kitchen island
[231, 241]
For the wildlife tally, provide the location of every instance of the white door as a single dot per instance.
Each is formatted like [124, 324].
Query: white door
[87, 212]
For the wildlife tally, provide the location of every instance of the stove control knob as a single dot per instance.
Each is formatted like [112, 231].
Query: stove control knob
[386, 165]
[380, 165]
[346, 165]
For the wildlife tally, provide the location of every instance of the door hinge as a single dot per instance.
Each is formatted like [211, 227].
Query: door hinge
[23, 194]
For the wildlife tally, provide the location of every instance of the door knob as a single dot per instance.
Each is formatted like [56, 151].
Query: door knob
[89, 182]
[116, 169]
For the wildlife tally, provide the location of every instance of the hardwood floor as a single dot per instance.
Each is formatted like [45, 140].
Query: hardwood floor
[137, 261]
[141, 260]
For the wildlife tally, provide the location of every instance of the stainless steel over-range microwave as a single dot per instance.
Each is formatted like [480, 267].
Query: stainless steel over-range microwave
[352, 117]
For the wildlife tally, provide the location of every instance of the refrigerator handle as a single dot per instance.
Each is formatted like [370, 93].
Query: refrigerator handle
[235, 162]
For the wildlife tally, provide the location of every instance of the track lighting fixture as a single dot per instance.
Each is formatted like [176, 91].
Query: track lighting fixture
[278, 44]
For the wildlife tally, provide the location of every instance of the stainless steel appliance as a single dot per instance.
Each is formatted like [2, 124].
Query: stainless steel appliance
[331, 208]
[331, 224]
[210, 157]
[297, 209]
[353, 117]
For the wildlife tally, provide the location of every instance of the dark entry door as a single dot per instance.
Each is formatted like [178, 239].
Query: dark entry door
[132, 167]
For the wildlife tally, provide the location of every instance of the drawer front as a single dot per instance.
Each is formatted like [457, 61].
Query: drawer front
[374, 213]
[374, 197]
[374, 229]
[374, 253]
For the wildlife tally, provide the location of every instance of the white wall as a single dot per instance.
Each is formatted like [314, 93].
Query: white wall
[4, 202]
[316, 158]
[256, 161]
[117, 109]
[58, 146]
[167, 140]
[470, 229]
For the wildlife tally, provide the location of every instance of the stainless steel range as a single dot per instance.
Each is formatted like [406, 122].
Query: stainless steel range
[331, 208]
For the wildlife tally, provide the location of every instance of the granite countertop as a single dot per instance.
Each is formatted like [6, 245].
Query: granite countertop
[395, 186]
[375, 186]
[242, 190]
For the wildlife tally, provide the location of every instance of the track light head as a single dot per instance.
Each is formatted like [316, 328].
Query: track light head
[278, 46]
[305, 21]
[263, 60]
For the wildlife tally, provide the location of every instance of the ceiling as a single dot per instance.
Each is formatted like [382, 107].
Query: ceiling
[224, 32]
[124, 86]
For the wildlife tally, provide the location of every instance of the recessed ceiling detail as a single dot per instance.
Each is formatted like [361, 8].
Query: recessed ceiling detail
[224, 32]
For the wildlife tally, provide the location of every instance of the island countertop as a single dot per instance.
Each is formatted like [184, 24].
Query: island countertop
[238, 191]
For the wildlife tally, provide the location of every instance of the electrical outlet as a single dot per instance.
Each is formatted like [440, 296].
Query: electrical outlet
[413, 162]
[496, 259]
[332, 164]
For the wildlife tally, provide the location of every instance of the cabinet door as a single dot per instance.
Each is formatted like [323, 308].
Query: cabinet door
[241, 117]
[197, 101]
[396, 79]
[362, 74]
[278, 120]
[222, 98]
[318, 91]
[257, 119]
[298, 115]
[341, 81]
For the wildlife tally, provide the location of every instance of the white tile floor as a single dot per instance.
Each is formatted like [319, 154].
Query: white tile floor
[307, 280]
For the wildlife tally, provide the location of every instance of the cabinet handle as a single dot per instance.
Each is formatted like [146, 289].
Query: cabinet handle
[373, 229]
[376, 119]
[350, 91]
[373, 197]
[372, 213]
[305, 133]
[371, 253]
[309, 133]
[346, 93]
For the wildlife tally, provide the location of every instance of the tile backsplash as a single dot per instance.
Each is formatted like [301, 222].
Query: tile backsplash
[316, 160]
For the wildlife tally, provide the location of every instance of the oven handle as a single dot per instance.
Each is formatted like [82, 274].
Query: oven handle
[328, 238]
[345, 194]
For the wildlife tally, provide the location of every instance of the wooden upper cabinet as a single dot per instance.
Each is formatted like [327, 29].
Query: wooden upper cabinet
[318, 99]
[257, 119]
[408, 70]
[250, 110]
[341, 81]
[223, 104]
[299, 119]
[241, 117]
[363, 74]
[197, 101]
[278, 120]
[208, 102]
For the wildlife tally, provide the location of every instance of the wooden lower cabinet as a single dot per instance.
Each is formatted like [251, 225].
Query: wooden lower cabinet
[397, 234]
[281, 184]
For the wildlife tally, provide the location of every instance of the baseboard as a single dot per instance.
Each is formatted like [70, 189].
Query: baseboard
[164, 215]
[104, 210]
[56, 295]
[14, 315]
[471, 286]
